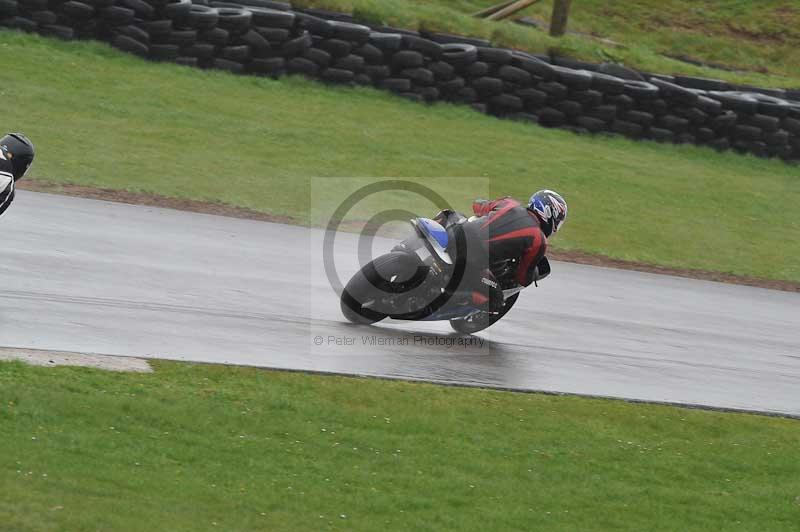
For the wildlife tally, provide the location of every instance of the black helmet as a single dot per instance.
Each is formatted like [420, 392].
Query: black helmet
[550, 208]
[18, 150]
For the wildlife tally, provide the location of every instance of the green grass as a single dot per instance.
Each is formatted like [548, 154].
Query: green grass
[759, 38]
[105, 119]
[195, 447]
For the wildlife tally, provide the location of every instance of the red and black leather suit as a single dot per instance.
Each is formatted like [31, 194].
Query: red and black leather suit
[502, 230]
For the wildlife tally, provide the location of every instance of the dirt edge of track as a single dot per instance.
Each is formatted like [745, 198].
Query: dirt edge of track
[222, 209]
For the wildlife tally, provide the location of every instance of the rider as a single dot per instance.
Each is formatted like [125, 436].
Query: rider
[507, 230]
[16, 156]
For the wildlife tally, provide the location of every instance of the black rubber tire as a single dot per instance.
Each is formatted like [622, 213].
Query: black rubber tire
[629, 129]
[619, 71]
[622, 101]
[337, 75]
[236, 21]
[588, 98]
[736, 102]
[769, 124]
[320, 57]
[534, 66]
[705, 84]
[495, 56]
[477, 69]
[792, 125]
[419, 76]
[674, 91]
[776, 138]
[676, 124]
[202, 17]
[724, 122]
[407, 59]
[747, 133]
[353, 63]
[297, 46]
[459, 55]
[130, 45]
[238, 54]
[215, 36]
[533, 98]
[182, 38]
[225, 64]
[335, 47]
[348, 31]
[709, 105]
[642, 118]
[575, 79]
[556, 91]
[692, 114]
[299, 65]
[77, 10]
[372, 55]
[487, 86]
[466, 95]
[33, 5]
[8, 8]
[156, 28]
[485, 321]
[117, 16]
[424, 46]
[255, 40]
[140, 7]
[272, 18]
[378, 72]
[550, 117]
[606, 113]
[640, 90]
[506, 103]
[705, 134]
[388, 42]
[607, 84]
[451, 86]
[314, 25]
[570, 108]
[176, 10]
[720, 144]
[442, 70]
[513, 74]
[134, 32]
[199, 50]
[275, 36]
[44, 17]
[593, 125]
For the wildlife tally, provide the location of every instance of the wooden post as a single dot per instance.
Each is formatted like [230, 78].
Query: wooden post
[493, 9]
[558, 22]
[511, 9]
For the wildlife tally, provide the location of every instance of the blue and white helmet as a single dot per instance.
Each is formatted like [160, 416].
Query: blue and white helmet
[550, 208]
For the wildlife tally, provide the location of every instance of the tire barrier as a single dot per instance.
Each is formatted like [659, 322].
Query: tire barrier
[268, 38]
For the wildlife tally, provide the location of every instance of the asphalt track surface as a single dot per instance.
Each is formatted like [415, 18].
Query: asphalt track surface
[98, 277]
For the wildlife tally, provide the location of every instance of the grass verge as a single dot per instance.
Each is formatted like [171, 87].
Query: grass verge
[104, 119]
[194, 447]
[756, 42]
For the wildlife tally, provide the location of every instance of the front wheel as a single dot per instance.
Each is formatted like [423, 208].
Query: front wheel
[482, 320]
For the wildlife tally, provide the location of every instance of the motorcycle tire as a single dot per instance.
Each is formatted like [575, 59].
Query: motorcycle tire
[483, 320]
[383, 275]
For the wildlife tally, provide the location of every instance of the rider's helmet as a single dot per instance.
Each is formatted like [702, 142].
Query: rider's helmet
[551, 210]
[18, 150]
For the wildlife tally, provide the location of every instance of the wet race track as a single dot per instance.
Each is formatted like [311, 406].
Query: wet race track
[91, 276]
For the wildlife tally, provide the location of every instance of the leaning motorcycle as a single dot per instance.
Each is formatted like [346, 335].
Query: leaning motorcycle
[420, 280]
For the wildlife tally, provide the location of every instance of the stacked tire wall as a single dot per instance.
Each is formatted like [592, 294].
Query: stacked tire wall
[268, 38]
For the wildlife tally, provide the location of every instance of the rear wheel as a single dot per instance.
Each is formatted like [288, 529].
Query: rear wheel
[482, 320]
[363, 299]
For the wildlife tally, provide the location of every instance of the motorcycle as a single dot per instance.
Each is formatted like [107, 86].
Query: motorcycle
[419, 280]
